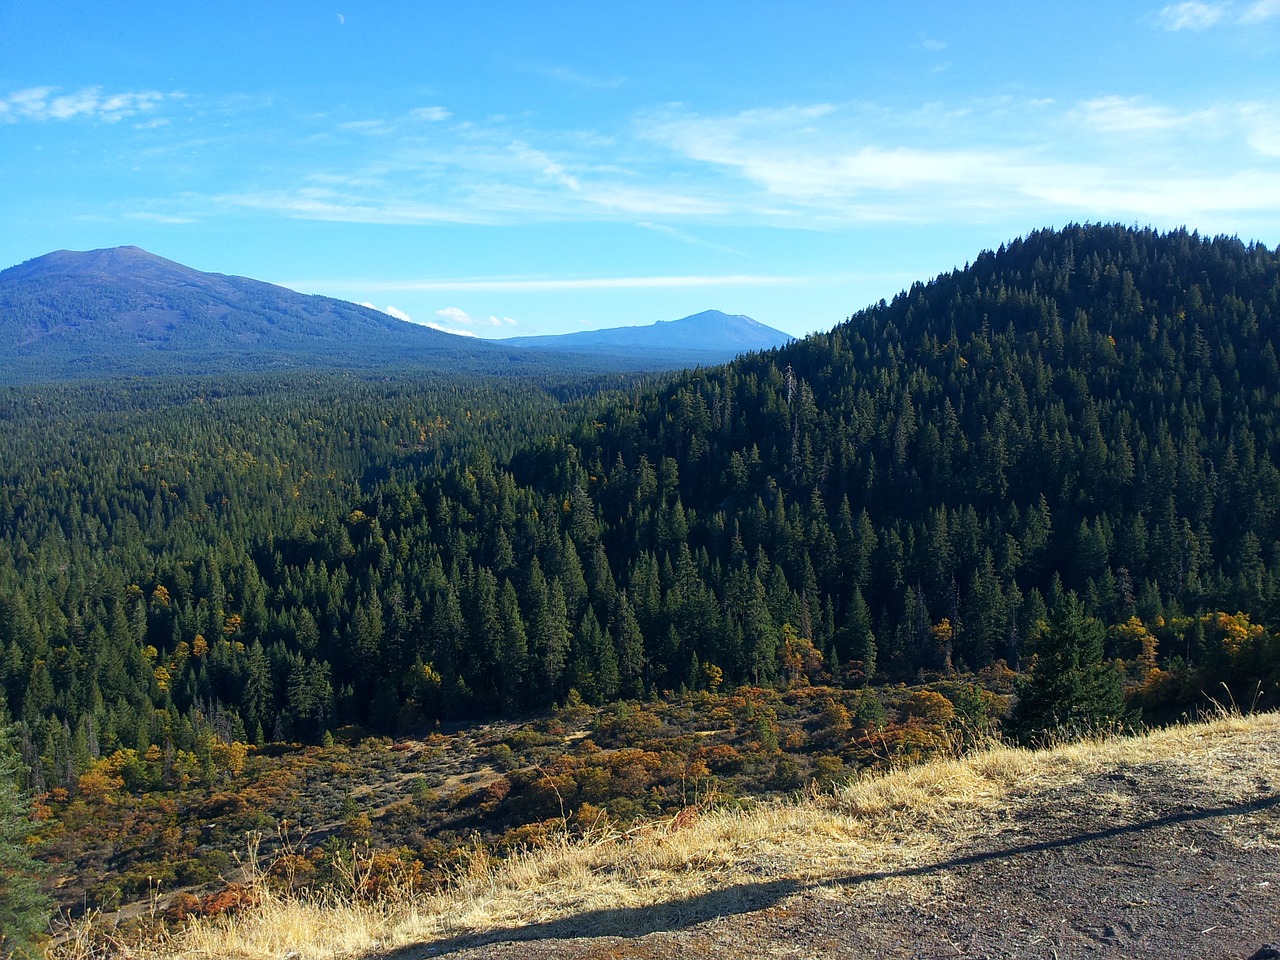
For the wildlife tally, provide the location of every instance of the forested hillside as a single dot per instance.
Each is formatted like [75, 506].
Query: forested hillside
[134, 517]
[1092, 410]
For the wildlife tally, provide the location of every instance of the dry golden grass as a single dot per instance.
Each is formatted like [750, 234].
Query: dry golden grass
[884, 822]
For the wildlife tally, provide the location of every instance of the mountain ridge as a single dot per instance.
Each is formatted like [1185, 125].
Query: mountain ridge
[711, 332]
[125, 311]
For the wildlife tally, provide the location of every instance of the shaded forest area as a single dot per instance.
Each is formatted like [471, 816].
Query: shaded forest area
[188, 568]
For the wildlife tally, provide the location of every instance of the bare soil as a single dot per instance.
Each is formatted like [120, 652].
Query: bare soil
[1131, 860]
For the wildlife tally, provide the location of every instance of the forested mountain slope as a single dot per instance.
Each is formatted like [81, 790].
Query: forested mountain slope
[1090, 410]
[1095, 409]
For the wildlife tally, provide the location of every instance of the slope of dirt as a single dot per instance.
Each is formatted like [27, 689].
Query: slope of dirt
[1168, 851]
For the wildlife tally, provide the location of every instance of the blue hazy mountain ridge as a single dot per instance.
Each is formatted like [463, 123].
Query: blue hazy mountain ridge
[707, 337]
[123, 311]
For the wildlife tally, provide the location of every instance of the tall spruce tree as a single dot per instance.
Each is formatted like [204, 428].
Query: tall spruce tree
[1070, 690]
[24, 910]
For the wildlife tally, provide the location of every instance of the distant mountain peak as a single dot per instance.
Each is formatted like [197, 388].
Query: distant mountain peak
[707, 316]
[126, 311]
[123, 309]
[711, 336]
[114, 262]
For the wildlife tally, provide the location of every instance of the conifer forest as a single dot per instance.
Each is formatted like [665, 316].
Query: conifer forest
[1042, 490]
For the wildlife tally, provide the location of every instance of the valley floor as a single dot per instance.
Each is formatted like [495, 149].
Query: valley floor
[1160, 845]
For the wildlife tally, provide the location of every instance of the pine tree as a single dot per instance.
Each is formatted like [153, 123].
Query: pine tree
[1070, 689]
[24, 910]
[552, 646]
[629, 642]
[861, 642]
[513, 651]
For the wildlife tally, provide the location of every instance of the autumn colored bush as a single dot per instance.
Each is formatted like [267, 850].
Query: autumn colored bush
[928, 707]
[723, 758]
[430, 799]
[231, 897]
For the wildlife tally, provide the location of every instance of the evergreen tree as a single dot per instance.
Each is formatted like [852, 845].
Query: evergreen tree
[24, 910]
[629, 642]
[556, 638]
[513, 652]
[1069, 689]
[860, 642]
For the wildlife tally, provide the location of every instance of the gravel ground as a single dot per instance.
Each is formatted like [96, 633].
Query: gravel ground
[1139, 861]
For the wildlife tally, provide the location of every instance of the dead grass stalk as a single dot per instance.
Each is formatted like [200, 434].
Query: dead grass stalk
[877, 822]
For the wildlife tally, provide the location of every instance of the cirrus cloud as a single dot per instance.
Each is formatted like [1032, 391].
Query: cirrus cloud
[47, 103]
[1259, 11]
[1199, 15]
[1192, 15]
[430, 114]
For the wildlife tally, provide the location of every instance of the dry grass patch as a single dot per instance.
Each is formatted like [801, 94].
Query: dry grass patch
[880, 823]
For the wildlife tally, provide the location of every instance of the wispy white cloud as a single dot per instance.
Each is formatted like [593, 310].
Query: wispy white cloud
[540, 161]
[148, 217]
[1262, 128]
[1199, 200]
[1259, 11]
[670, 231]
[453, 330]
[1191, 15]
[389, 311]
[1135, 115]
[430, 114]
[400, 123]
[456, 315]
[1109, 156]
[1249, 127]
[579, 79]
[810, 155]
[377, 128]
[47, 103]
[318, 204]
[608, 194]
[535, 285]
[475, 174]
[1200, 15]
[673, 170]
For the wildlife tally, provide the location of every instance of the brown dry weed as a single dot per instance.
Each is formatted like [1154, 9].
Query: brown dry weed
[878, 823]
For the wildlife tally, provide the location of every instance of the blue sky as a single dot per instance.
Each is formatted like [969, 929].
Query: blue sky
[512, 168]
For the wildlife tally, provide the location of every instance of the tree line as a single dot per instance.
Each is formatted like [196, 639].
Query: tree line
[1082, 413]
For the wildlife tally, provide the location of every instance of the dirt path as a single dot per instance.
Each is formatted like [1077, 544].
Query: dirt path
[1132, 861]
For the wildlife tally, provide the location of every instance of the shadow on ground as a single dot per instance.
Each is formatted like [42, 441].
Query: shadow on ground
[748, 898]
[1073, 840]
[622, 922]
